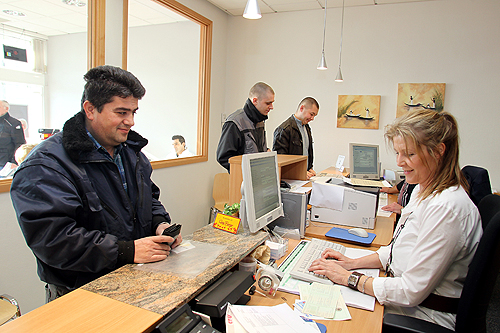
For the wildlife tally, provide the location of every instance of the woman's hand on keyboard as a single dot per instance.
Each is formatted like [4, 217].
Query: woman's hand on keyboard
[331, 269]
[338, 258]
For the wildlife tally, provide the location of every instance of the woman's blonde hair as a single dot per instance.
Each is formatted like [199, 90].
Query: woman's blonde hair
[427, 129]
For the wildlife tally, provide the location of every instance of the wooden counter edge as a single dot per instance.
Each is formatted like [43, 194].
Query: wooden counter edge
[84, 311]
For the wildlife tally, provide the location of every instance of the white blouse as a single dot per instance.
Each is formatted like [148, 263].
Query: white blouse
[437, 240]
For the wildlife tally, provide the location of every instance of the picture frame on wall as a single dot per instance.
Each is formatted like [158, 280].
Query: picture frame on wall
[418, 96]
[358, 111]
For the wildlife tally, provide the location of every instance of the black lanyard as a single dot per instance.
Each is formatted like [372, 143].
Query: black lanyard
[388, 270]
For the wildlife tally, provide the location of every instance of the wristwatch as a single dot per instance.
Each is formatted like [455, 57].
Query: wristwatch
[353, 280]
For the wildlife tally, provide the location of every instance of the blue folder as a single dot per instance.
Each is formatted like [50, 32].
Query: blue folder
[343, 234]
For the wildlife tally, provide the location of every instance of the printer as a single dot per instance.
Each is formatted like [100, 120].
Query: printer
[334, 201]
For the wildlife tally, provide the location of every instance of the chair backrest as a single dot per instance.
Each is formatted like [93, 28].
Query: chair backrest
[479, 182]
[483, 271]
[220, 191]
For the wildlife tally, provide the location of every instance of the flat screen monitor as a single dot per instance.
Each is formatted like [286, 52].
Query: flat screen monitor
[261, 194]
[364, 161]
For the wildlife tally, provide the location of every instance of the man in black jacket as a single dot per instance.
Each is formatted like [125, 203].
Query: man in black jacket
[84, 197]
[11, 135]
[293, 136]
[243, 131]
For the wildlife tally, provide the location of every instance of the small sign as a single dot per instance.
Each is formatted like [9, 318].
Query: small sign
[340, 162]
[14, 53]
[227, 223]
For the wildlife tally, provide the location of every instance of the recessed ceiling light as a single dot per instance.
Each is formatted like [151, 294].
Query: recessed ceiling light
[78, 3]
[13, 12]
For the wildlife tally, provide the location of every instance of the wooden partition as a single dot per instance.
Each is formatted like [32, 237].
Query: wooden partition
[289, 167]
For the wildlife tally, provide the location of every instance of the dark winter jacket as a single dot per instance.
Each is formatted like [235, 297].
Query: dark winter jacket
[11, 138]
[73, 210]
[288, 140]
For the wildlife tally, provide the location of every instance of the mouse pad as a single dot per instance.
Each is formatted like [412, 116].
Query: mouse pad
[343, 234]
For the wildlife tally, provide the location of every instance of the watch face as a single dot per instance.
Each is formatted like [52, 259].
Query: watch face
[352, 281]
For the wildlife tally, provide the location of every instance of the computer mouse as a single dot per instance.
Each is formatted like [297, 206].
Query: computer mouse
[358, 232]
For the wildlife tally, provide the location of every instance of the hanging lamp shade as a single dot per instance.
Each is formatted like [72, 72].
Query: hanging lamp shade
[252, 10]
[339, 76]
[322, 62]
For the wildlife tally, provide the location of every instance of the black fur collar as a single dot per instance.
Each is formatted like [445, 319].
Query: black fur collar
[76, 141]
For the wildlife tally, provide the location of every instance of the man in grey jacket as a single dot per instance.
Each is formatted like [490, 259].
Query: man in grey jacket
[243, 131]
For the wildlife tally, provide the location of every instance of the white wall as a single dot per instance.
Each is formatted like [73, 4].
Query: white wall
[450, 41]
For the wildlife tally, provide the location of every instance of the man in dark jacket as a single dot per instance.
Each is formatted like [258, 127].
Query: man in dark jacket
[243, 131]
[293, 136]
[84, 197]
[11, 135]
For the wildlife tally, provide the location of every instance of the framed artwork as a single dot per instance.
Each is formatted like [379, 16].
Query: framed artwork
[358, 111]
[417, 96]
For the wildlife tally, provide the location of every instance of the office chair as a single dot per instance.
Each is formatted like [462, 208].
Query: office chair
[9, 309]
[478, 286]
[479, 182]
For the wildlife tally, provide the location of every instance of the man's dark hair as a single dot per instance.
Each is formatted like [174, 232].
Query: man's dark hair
[106, 82]
[178, 137]
[309, 102]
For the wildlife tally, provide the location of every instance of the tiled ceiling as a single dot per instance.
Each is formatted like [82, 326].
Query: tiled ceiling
[54, 17]
[236, 7]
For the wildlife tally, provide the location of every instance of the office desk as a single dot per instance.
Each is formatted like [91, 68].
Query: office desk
[362, 320]
[131, 300]
[162, 292]
[384, 227]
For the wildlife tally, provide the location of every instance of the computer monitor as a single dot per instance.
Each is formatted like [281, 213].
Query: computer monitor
[260, 190]
[364, 161]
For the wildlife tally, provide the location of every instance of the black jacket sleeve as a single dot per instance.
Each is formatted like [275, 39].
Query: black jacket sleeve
[231, 144]
[281, 140]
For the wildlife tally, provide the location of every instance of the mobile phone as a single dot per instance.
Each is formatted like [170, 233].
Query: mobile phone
[173, 231]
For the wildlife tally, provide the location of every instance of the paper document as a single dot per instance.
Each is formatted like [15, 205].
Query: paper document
[321, 299]
[366, 182]
[265, 319]
[341, 312]
[327, 196]
[382, 201]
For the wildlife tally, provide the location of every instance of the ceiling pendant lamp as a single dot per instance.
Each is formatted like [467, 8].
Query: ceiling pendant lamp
[252, 10]
[322, 61]
[339, 74]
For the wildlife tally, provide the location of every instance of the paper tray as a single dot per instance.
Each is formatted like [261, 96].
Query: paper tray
[343, 234]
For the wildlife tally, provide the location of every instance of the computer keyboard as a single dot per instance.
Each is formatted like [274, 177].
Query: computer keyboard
[313, 251]
[366, 182]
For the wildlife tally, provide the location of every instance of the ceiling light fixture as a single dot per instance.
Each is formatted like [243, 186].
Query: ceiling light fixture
[13, 12]
[339, 74]
[78, 3]
[252, 10]
[322, 61]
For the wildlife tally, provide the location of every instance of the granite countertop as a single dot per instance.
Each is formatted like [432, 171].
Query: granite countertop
[161, 292]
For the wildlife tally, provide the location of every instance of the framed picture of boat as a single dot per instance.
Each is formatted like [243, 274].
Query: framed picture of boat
[417, 96]
[358, 111]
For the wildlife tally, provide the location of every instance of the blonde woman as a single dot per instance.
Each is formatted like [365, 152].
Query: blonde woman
[437, 235]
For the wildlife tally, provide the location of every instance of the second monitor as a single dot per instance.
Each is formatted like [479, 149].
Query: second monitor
[364, 161]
